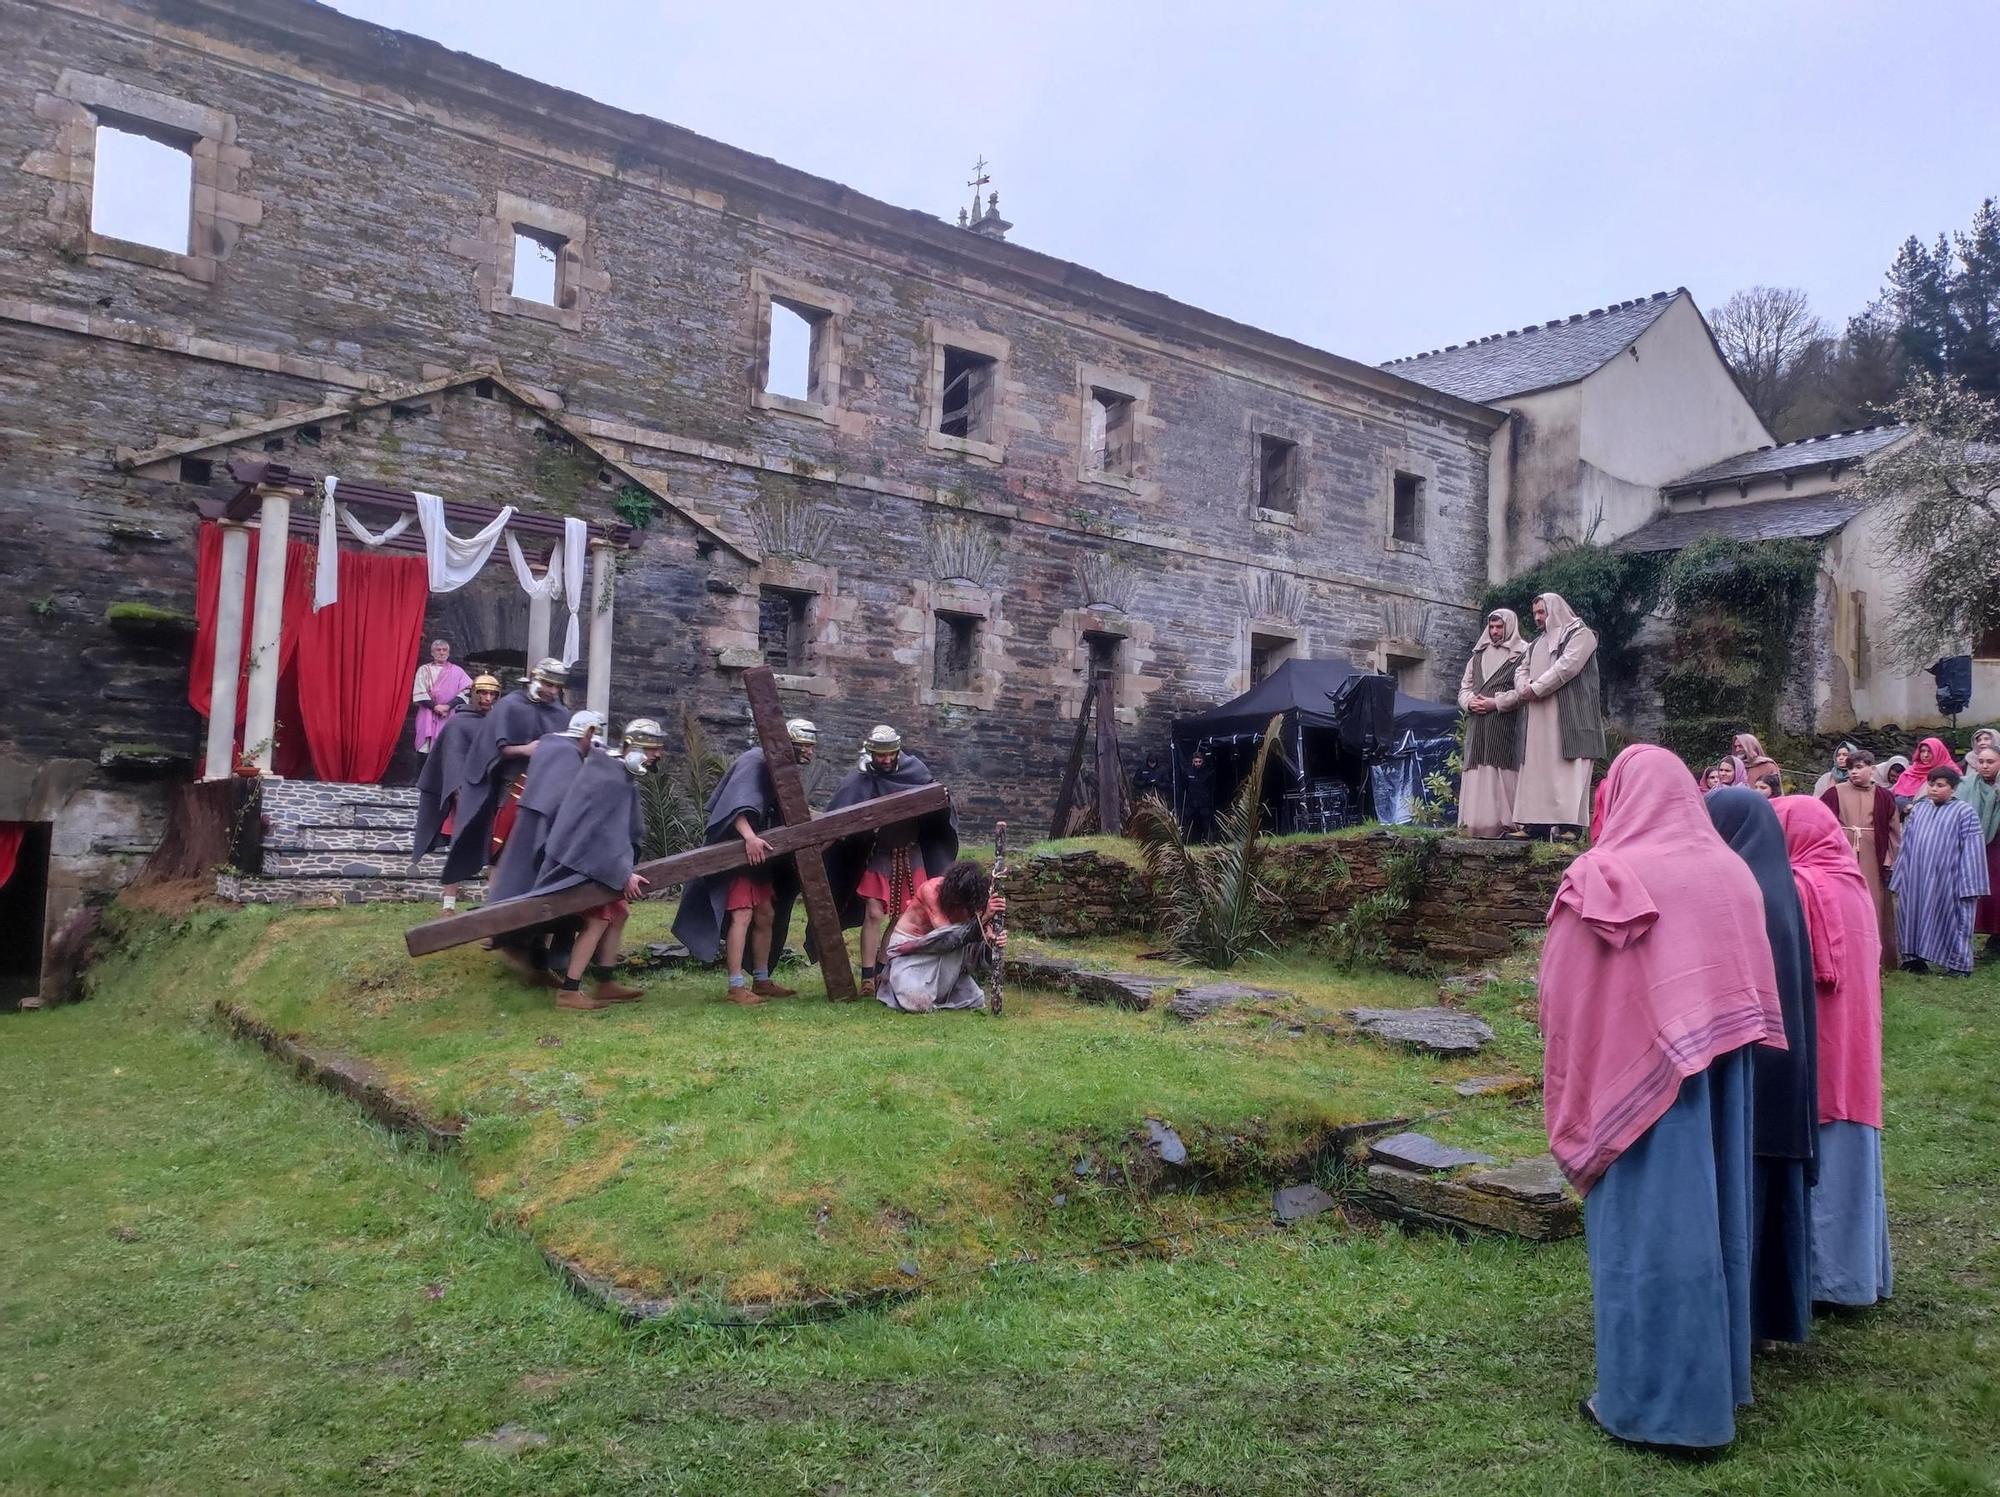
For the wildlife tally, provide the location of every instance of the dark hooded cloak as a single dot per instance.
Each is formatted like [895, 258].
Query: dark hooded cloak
[488, 776]
[443, 772]
[744, 790]
[595, 835]
[934, 837]
[551, 769]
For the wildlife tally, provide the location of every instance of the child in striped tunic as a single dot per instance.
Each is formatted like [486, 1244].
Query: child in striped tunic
[1939, 878]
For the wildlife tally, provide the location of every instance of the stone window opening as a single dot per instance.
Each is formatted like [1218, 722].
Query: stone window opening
[1406, 523]
[538, 259]
[784, 628]
[142, 185]
[1408, 671]
[197, 470]
[954, 651]
[1268, 652]
[1110, 448]
[1105, 654]
[966, 406]
[1277, 475]
[792, 353]
[1987, 645]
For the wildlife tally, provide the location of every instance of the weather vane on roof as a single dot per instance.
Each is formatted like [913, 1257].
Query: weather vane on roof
[987, 220]
[980, 177]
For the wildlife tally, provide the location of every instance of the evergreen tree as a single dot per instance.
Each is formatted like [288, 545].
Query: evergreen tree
[1919, 299]
[1975, 303]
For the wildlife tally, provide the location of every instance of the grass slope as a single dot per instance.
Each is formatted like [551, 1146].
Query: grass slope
[689, 1148]
[215, 1279]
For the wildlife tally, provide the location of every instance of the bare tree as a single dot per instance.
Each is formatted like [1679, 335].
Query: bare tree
[1942, 489]
[1769, 335]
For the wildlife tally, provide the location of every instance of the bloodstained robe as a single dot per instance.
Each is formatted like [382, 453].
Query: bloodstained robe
[1939, 878]
[490, 775]
[596, 833]
[1875, 832]
[551, 768]
[1564, 732]
[436, 686]
[1490, 778]
[904, 855]
[438, 782]
[745, 790]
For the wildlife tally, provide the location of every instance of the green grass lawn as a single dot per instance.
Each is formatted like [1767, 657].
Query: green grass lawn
[689, 1149]
[214, 1278]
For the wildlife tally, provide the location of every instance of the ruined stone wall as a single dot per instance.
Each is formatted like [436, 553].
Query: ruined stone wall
[1474, 899]
[355, 199]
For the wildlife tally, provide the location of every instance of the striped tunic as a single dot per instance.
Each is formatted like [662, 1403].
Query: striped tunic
[1939, 877]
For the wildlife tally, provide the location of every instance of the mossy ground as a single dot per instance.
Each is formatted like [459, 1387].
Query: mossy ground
[218, 1279]
[688, 1148]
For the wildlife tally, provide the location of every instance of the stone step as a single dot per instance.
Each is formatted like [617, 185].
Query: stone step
[350, 865]
[338, 839]
[373, 818]
[326, 891]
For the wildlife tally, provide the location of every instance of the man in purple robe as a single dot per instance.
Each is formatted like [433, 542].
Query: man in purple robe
[439, 681]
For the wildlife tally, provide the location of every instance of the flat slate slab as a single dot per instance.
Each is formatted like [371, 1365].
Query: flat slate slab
[1134, 990]
[1527, 1199]
[1166, 1144]
[1294, 1203]
[1211, 997]
[1434, 1031]
[1494, 1086]
[1419, 1151]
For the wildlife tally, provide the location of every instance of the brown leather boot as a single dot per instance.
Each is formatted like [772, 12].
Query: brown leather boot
[747, 997]
[612, 991]
[578, 999]
[770, 989]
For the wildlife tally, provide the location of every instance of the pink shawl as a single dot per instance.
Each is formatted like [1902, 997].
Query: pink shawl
[1656, 963]
[1930, 754]
[1847, 960]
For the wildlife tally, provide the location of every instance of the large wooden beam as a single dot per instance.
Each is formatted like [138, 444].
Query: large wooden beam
[666, 873]
[822, 909]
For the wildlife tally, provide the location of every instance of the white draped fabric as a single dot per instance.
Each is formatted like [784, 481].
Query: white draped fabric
[326, 565]
[456, 560]
[576, 542]
[546, 586]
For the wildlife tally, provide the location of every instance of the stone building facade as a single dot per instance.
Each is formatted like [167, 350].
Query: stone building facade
[1003, 470]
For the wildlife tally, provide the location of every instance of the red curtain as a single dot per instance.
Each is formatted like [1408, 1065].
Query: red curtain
[290, 755]
[343, 674]
[10, 848]
[355, 662]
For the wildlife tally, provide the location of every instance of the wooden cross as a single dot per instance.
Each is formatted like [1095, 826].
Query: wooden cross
[801, 834]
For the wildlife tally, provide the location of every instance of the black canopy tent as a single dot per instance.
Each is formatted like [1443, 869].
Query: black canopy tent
[1313, 750]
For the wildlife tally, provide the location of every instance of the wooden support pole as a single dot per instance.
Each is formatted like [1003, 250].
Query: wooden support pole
[1066, 797]
[1110, 774]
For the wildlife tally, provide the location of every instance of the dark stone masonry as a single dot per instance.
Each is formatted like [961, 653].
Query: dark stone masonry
[952, 542]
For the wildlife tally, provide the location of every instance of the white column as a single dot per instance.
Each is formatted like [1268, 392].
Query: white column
[538, 628]
[597, 694]
[267, 626]
[228, 660]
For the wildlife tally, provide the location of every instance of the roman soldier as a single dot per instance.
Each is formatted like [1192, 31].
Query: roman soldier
[595, 838]
[495, 764]
[876, 874]
[444, 773]
[552, 768]
[745, 911]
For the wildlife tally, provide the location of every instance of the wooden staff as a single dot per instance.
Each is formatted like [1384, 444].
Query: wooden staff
[997, 922]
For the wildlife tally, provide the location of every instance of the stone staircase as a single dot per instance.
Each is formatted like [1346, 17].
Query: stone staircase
[336, 844]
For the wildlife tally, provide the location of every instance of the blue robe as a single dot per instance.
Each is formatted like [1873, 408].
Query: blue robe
[1850, 1218]
[1668, 1233]
[1939, 877]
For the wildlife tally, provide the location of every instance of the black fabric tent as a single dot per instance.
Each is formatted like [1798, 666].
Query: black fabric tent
[1313, 767]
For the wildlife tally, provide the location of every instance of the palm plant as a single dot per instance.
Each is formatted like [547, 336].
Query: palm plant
[1216, 906]
[674, 802]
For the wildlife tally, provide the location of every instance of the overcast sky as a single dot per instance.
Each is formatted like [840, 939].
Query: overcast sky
[1374, 179]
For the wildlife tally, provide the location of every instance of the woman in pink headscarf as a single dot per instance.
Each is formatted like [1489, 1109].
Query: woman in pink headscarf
[1850, 1213]
[1930, 754]
[1656, 979]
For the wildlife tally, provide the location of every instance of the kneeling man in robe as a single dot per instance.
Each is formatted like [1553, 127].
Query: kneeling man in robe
[942, 945]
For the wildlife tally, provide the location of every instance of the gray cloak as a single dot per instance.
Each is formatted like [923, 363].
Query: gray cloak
[595, 835]
[744, 790]
[488, 777]
[933, 837]
[443, 772]
[551, 768]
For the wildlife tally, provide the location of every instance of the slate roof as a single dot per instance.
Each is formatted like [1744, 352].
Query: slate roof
[1792, 457]
[1766, 520]
[1538, 356]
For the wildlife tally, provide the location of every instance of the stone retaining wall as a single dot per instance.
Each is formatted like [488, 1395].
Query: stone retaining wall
[1473, 899]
